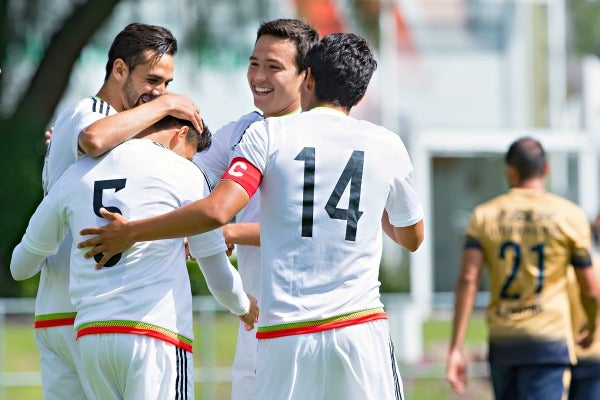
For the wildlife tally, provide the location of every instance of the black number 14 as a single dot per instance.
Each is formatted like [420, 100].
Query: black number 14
[352, 175]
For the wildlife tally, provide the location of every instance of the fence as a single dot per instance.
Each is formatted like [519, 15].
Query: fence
[405, 327]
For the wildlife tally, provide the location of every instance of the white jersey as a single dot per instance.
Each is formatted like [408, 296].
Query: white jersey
[147, 290]
[214, 162]
[52, 306]
[322, 198]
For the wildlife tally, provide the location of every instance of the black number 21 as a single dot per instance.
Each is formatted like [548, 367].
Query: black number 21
[516, 249]
[352, 175]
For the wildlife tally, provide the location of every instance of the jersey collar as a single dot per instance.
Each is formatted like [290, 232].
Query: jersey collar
[328, 111]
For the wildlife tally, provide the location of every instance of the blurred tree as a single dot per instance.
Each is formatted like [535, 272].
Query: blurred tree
[206, 21]
[68, 26]
[584, 27]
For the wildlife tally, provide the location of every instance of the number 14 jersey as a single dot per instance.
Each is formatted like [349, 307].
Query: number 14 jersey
[326, 180]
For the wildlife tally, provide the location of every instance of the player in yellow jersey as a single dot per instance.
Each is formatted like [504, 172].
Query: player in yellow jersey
[527, 238]
[585, 375]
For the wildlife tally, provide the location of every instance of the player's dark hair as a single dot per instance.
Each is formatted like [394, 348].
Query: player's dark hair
[342, 65]
[528, 158]
[302, 34]
[134, 40]
[201, 141]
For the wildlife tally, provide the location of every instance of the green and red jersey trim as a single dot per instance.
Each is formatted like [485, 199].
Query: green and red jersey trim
[302, 327]
[52, 320]
[135, 328]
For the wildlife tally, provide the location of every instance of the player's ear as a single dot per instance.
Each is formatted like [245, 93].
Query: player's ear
[512, 176]
[309, 80]
[120, 69]
[546, 169]
[183, 131]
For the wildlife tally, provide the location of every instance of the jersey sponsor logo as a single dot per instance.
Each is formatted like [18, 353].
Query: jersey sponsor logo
[517, 311]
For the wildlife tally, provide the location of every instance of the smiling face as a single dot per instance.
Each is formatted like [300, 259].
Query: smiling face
[273, 76]
[147, 81]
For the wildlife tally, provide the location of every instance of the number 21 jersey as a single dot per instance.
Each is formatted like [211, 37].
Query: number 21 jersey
[529, 238]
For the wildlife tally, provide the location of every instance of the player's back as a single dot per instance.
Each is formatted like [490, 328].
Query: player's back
[326, 181]
[529, 238]
[138, 179]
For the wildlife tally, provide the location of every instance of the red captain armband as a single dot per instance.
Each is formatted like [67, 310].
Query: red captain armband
[243, 173]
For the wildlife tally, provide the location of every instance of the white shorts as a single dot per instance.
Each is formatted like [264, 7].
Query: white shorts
[126, 366]
[60, 365]
[352, 363]
[243, 369]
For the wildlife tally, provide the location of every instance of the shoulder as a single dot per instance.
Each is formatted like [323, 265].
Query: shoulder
[562, 201]
[239, 125]
[94, 104]
[492, 205]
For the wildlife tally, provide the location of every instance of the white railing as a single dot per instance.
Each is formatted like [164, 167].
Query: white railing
[405, 328]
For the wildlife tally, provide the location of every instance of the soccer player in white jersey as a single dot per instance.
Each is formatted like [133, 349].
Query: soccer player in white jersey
[275, 74]
[134, 316]
[139, 68]
[328, 183]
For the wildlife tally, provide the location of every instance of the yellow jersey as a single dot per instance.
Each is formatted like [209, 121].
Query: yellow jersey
[529, 238]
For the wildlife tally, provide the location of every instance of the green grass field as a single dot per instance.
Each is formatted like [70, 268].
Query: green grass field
[21, 355]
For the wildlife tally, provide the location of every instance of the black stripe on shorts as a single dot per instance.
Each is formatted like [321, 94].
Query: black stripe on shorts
[395, 372]
[181, 381]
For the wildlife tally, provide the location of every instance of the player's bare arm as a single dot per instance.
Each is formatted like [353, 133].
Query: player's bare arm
[588, 294]
[244, 233]
[466, 290]
[409, 237]
[206, 214]
[108, 132]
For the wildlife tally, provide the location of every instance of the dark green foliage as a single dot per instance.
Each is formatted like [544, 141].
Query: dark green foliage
[23, 123]
[584, 26]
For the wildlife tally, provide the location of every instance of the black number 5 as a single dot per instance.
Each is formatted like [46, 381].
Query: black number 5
[99, 187]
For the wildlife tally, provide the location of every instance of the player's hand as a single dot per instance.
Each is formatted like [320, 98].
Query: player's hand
[585, 339]
[456, 371]
[183, 107]
[230, 245]
[251, 317]
[186, 245]
[110, 239]
[230, 248]
[48, 135]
